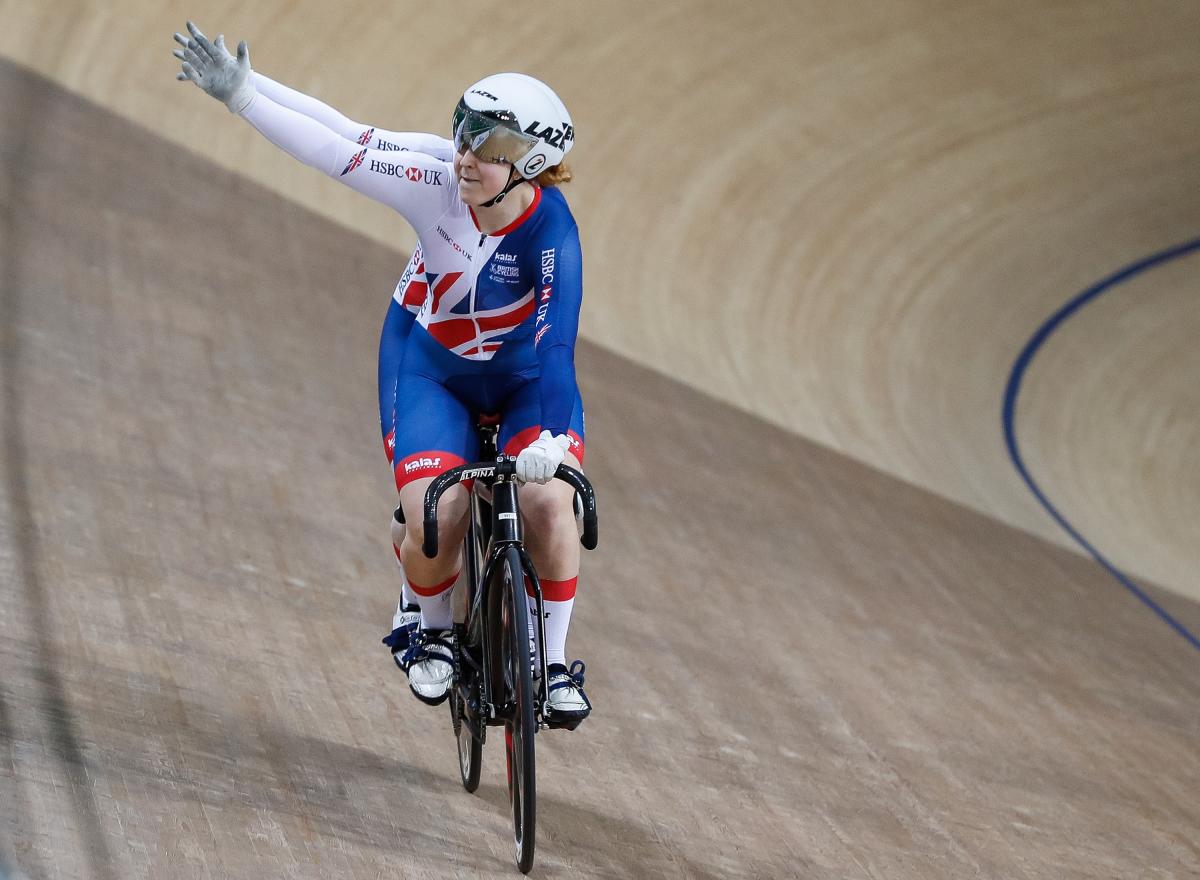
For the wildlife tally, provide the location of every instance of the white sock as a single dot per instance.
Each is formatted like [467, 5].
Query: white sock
[558, 621]
[436, 610]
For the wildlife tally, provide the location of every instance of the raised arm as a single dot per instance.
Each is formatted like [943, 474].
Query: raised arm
[364, 135]
[420, 188]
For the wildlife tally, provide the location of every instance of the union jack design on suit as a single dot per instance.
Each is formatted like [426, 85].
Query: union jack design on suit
[354, 162]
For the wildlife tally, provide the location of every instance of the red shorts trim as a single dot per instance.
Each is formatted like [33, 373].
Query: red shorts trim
[422, 465]
[522, 439]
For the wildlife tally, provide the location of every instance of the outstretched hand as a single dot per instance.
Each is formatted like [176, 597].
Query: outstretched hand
[210, 66]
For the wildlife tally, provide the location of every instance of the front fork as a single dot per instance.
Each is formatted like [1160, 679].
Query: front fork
[540, 606]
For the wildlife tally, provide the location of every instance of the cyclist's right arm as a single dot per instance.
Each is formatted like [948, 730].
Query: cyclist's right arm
[364, 135]
[416, 185]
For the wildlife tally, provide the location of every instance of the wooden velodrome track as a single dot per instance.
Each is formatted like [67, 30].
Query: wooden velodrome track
[847, 644]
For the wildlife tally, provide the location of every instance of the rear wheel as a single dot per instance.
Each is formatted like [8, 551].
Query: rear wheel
[470, 749]
[521, 726]
[467, 686]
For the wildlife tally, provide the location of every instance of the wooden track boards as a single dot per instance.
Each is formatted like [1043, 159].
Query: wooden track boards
[802, 667]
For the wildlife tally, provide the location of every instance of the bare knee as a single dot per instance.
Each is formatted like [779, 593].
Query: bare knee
[549, 513]
[451, 518]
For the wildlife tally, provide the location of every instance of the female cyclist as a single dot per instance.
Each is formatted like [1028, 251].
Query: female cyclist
[495, 331]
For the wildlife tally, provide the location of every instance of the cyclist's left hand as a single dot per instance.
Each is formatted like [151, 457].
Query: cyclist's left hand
[217, 72]
[539, 460]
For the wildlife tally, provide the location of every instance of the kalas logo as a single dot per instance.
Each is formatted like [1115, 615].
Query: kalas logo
[417, 463]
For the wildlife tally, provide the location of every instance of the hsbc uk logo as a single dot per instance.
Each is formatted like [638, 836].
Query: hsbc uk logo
[364, 140]
[427, 176]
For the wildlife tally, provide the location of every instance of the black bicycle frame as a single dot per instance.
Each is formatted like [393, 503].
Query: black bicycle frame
[506, 531]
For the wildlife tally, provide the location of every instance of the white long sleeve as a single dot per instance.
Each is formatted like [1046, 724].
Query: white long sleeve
[365, 135]
[421, 188]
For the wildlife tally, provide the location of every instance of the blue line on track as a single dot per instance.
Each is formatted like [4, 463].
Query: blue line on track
[1010, 419]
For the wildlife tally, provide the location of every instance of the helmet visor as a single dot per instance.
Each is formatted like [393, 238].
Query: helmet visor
[491, 137]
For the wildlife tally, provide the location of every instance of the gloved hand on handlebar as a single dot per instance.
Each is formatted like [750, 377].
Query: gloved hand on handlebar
[538, 461]
[210, 66]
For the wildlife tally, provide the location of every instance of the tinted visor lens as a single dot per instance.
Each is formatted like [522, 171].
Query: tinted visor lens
[489, 137]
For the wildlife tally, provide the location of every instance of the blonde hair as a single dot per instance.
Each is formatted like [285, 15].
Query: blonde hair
[555, 175]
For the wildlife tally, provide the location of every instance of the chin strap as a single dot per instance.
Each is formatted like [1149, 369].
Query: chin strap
[513, 182]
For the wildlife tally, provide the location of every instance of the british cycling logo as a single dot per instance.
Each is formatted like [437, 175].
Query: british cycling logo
[502, 273]
[417, 463]
[365, 137]
[417, 175]
[354, 162]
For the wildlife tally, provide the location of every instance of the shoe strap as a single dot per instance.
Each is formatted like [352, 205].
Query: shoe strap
[418, 648]
[572, 677]
[398, 638]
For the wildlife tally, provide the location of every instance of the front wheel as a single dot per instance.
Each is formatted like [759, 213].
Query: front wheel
[521, 725]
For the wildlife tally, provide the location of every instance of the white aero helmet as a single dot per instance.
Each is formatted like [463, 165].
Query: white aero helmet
[511, 117]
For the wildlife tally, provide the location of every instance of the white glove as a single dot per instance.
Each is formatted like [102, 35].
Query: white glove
[540, 459]
[210, 66]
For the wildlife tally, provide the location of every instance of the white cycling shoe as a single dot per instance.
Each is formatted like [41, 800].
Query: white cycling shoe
[405, 623]
[566, 703]
[429, 662]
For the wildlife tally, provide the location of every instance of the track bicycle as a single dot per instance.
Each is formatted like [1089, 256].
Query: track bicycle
[497, 648]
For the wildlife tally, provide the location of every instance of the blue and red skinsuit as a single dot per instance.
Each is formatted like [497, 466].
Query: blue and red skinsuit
[499, 313]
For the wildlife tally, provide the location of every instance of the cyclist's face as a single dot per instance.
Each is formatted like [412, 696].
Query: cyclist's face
[479, 181]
